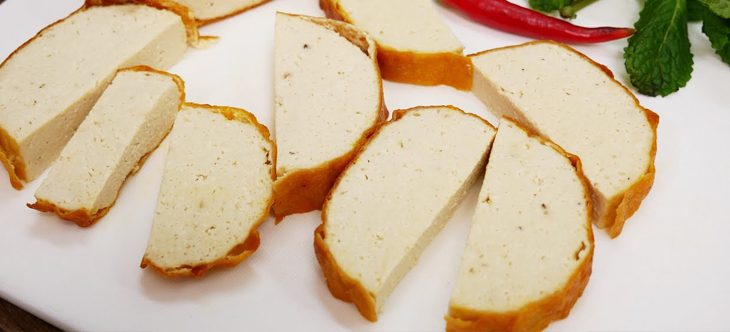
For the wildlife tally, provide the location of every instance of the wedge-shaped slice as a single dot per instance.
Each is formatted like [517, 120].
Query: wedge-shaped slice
[48, 85]
[216, 190]
[575, 102]
[530, 247]
[128, 122]
[414, 44]
[329, 99]
[209, 11]
[394, 198]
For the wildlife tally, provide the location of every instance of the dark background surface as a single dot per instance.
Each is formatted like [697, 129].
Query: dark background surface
[14, 319]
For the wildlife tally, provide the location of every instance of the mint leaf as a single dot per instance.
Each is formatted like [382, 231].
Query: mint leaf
[719, 7]
[658, 58]
[717, 30]
[549, 5]
[695, 10]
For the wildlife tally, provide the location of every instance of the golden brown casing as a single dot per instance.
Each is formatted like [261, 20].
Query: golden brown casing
[537, 315]
[453, 69]
[9, 151]
[84, 217]
[610, 215]
[304, 190]
[341, 285]
[242, 250]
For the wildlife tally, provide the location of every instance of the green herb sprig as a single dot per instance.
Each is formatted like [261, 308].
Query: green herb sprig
[658, 57]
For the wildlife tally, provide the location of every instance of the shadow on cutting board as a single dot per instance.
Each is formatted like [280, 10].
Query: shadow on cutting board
[13, 318]
[219, 280]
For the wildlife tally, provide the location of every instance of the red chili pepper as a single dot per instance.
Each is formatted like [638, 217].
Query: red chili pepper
[509, 17]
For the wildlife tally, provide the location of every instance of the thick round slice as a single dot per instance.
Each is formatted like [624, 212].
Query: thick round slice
[216, 190]
[329, 99]
[414, 43]
[530, 247]
[128, 122]
[50, 83]
[394, 198]
[209, 11]
[575, 102]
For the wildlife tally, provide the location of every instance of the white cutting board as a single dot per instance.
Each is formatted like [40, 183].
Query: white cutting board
[670, 270]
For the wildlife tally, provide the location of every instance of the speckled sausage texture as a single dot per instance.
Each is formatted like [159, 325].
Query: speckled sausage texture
[131, 118]
[394, 198]
[217, 188]
[328, 101]
[415, 45]
[50, 83]
[575, 102]
[529, 252]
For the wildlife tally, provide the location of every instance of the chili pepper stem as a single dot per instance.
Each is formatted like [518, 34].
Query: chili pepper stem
[570, 10]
